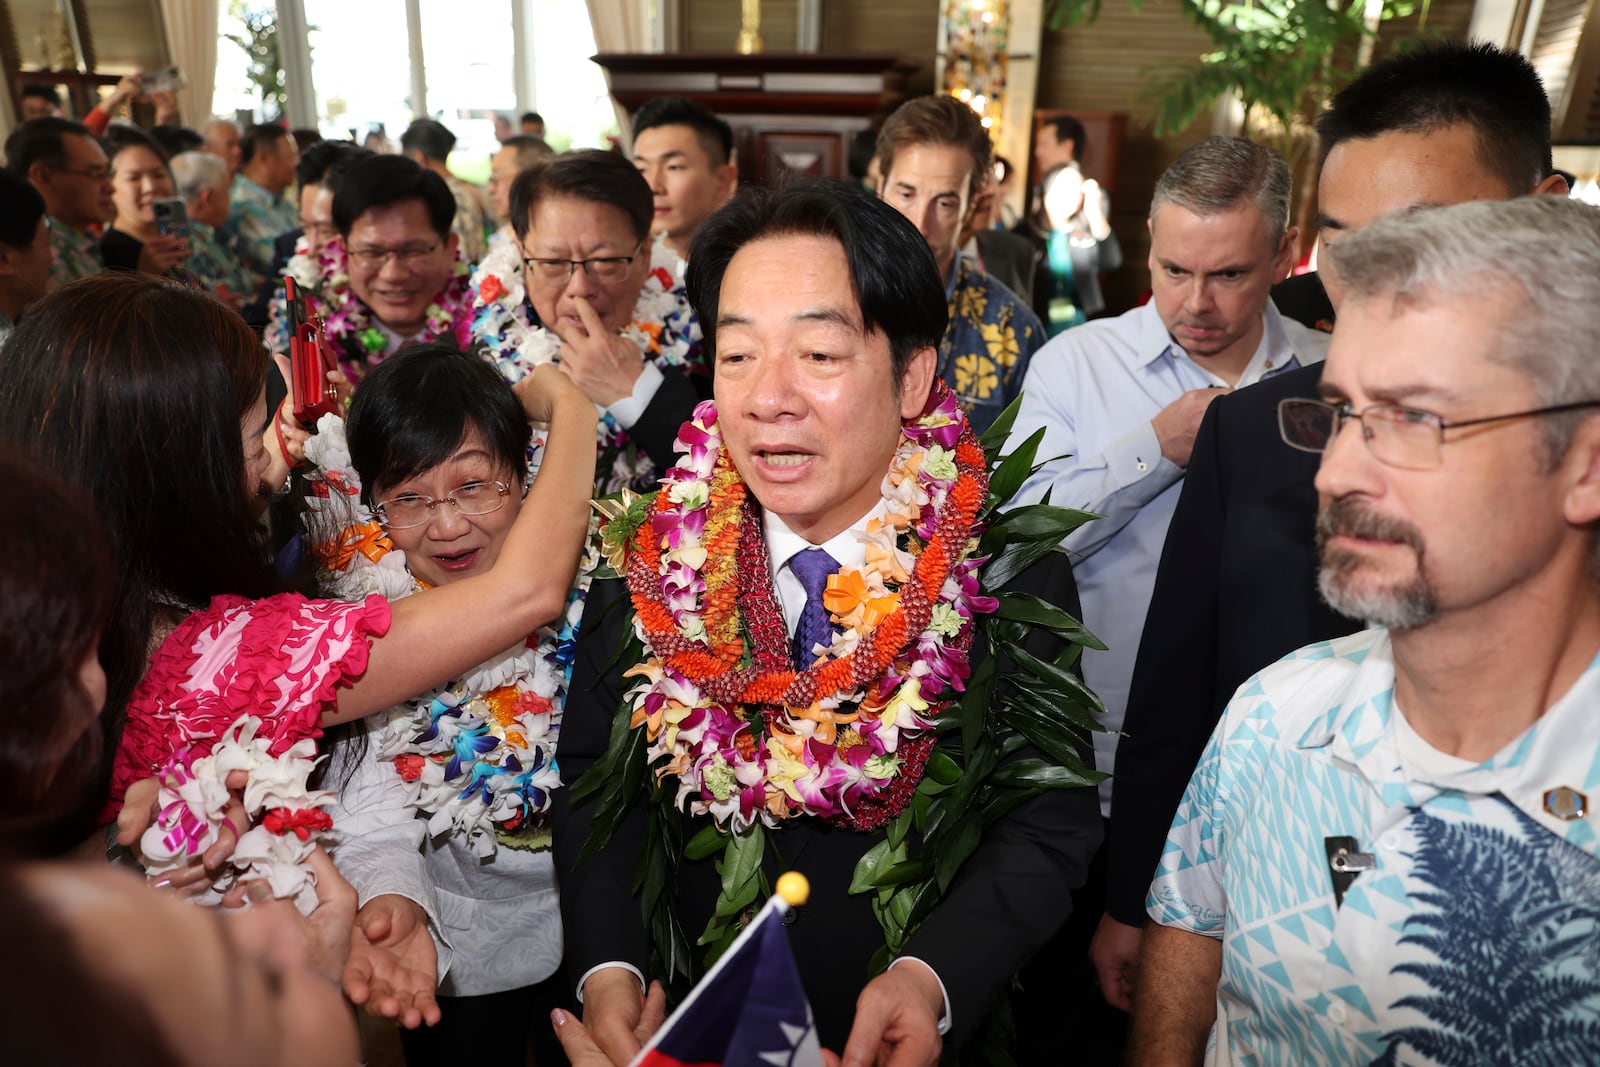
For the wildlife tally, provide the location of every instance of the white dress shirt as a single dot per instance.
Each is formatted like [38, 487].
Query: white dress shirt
[1095, 390]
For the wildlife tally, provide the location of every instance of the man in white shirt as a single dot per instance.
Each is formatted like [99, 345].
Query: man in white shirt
[822, 309]
[1388, 852]
[1120, 399]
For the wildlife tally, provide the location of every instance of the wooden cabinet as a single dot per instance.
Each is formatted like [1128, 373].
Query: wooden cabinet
[791, 113]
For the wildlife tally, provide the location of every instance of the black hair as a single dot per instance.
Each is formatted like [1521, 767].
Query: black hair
[317, 158]
[176, 140]
[892, 272]
[430, 137]
[21, 208]
[305, 137]
[41, 141]
[596, 176]
[1440, 83]
[530, 116]
[119, 136]
[714, 134]
[381, 180]
[529, 149]
[41, 92]
[1069, 129]
[863, 146]
[261, 135]
[132, 389]
[55, 597]
[415, 408]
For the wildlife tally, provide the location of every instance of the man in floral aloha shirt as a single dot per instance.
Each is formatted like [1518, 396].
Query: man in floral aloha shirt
[935, 155]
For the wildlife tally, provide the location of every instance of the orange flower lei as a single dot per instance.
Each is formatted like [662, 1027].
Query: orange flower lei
[720, 684]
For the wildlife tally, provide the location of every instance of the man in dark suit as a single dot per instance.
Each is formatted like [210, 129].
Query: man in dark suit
[1236, 587]
[822, 310]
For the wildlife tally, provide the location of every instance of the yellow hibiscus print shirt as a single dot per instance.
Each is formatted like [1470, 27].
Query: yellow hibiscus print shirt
[991, 336]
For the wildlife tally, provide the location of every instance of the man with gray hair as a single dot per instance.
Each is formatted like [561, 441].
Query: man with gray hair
[1389, 850]
[1119, 400]
[203, 182]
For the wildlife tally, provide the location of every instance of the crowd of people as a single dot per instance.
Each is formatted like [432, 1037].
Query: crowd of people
[387, 713]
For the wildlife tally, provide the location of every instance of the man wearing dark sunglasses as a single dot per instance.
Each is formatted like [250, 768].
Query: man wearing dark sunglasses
[1237, 586]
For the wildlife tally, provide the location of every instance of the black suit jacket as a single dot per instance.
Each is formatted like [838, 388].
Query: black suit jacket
[1018, 264]
[1011, 895]
[1235, 591]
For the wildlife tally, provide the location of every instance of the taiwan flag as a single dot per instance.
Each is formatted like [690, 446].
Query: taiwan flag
[749, 1011]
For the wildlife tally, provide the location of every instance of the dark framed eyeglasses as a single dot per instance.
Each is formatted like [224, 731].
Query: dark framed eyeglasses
[407, 510]
[1397, 436]
[600, 268]
[98, 174]
[409, 256]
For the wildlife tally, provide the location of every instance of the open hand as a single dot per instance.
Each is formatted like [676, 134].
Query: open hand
[393, 970]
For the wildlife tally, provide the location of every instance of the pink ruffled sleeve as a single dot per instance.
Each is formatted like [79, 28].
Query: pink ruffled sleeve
[279, 659]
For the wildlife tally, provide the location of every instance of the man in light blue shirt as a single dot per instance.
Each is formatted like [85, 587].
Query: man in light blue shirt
[1120, 399]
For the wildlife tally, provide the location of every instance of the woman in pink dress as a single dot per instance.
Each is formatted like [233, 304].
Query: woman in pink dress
[151, 398]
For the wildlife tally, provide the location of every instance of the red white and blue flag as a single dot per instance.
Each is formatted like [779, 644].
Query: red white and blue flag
[750, 1010]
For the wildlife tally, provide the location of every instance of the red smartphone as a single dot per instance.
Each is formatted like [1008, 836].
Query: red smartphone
[310, 360]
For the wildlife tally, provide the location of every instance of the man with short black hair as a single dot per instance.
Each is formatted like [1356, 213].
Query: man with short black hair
[40, 102]
[1236, 586]
[24, 248]
[686, 154]
[430, 143]
[1060, 141]
[935, 158]
[261, 210]
[393, 276]
[72, 173]
[531, 124]
[823, 309]
[1387, 853]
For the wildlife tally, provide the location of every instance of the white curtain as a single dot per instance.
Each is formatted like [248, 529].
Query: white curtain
[620, 25]
[192, 36]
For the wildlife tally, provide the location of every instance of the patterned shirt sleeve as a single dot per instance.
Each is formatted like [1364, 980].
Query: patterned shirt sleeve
[1188, 891]
[280, 659]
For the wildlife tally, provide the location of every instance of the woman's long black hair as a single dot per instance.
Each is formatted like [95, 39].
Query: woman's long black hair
[133, 389]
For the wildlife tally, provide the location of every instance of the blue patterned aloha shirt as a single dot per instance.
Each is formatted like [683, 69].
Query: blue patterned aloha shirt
[218, 267]
[74, 254]
[256, 219]
[1475, 936]
[991, 337]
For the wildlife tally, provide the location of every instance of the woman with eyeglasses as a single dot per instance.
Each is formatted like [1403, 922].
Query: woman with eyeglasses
[584, 286]
[149, 397]
[444, 797]
[139, 178]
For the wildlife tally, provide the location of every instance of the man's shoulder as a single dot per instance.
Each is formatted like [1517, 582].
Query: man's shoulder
[996, 292]
[1124, 341]
[1309, 686]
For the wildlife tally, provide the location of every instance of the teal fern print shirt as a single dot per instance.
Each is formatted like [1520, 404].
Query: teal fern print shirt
[256, 219]
[991, 337]
[1474, 937]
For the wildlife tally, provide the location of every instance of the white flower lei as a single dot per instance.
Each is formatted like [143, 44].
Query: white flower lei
[663, 326]
[287, 819]
[477, 756]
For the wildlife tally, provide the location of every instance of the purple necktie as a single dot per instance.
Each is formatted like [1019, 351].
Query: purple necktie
[812, 566]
